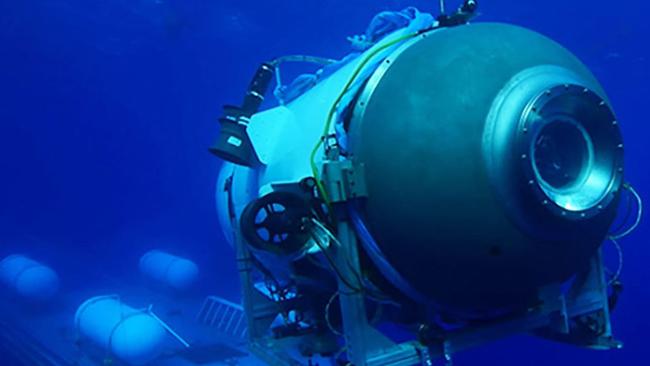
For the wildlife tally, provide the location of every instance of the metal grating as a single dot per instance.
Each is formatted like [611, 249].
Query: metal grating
[225, 316]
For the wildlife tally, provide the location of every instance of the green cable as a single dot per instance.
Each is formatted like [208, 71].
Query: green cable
[330, 115]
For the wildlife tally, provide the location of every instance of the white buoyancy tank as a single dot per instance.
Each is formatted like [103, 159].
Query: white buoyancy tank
[30, 279]
[134, 336]
[173, 271]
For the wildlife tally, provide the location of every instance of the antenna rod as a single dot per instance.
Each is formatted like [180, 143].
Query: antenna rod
[442, 6]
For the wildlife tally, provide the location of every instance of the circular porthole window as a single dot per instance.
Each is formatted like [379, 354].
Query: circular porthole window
[575, 149]
[563, 158]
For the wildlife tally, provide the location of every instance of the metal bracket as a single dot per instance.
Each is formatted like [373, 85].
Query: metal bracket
[586, 304]
[344, 180]
[367, 346]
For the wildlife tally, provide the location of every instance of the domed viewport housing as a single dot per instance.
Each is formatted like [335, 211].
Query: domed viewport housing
[505, 172]
[575, 149]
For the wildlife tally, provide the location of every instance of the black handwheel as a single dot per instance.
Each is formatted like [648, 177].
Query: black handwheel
[276, 223]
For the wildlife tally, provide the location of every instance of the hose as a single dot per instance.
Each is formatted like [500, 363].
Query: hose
[617, 275]
[614, 238]
[332, 111]
[639, 214]
[378, 258]
[303, 58]
[335, 268]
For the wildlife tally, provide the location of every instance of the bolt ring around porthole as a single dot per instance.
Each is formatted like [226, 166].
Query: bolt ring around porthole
[571, 150]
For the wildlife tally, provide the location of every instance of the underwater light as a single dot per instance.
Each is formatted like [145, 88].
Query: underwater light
[233, 143]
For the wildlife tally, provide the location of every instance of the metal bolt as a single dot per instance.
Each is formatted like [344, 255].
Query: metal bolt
[531, 182]
[600, 207]
[614, 123]
[525, 130]
[620, 146]
[545, 202]
[583, 214]
[602, 103]
[524, 156]
[585, 90]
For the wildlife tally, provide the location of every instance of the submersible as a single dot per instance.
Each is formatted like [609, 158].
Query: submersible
[452, 174]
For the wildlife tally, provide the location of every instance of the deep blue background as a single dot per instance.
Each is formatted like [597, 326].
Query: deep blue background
[107, 108]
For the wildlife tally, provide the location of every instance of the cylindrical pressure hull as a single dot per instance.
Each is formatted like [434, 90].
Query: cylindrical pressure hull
[131, 335]
[29, 278]
[454, 202]
[175, 272]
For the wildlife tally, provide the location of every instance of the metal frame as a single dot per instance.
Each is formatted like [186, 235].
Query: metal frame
[586, 299]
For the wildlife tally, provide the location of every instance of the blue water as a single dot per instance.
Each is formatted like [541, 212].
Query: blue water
[107, 109]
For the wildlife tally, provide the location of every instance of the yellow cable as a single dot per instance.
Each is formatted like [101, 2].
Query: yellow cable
[330, 115]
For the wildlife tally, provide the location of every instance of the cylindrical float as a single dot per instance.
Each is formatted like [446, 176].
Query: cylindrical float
[134, 336]
[175, 272]
[30, 279]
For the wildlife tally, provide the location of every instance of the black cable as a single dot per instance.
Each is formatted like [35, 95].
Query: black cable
[348, 262]
[628, 214]
[371, 294]
[334, 267]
